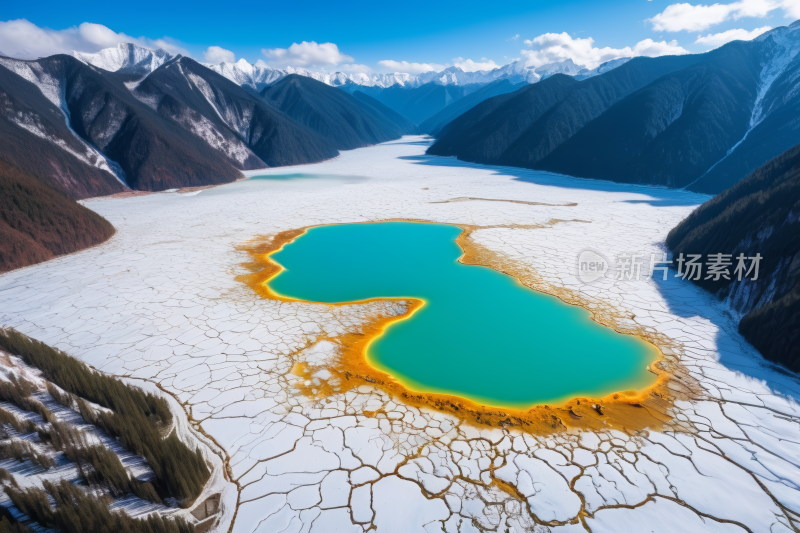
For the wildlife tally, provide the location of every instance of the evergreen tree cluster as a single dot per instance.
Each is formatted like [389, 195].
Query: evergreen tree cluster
[79, 512]
[137, 418]
[22, 450]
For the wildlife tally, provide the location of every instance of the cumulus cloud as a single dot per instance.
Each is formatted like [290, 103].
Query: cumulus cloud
[354, 68]
[306, 54]
[688, 17]
[217, 54]
[715, 40]
[411, 68]
[791, 9]
[23, 39]
[468, 65]
[551, 47]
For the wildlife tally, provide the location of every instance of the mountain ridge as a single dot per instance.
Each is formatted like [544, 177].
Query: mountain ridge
[691, 121]
[345, 121]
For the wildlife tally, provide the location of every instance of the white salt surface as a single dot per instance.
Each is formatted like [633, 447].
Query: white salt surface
[159, 302]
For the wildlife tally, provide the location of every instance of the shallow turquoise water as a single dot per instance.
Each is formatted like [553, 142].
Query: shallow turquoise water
[480, 335]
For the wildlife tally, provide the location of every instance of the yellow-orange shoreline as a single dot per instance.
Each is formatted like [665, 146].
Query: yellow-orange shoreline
[630, 410]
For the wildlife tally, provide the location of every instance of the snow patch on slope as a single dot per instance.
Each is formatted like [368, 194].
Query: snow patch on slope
[204, 128]
[240, 123]
[31, 123]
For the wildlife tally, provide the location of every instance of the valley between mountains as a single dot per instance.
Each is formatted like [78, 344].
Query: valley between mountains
[160, 302]
[142, 194]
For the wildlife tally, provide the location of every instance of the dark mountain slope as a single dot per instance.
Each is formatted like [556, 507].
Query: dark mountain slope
[587, 102]
[244, 129]
[672, 130]
[433, 124]
[183, 125]
[343, 120]
[760, 214]
[699, 121]
[776, 120]
[486, 131]
[404, 125]
[38, 222]
[154, 153]
[417, 103]
[34, 136]
[582, 103]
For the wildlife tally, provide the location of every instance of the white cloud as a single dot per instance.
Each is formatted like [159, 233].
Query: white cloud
[354, 68]
[306, 54]
[715, 40]
[551, 47]
[468, 65]
[688, 17]
[23, 39]
[411, 68]
[791, 9]
[514, 38]
[216, 54]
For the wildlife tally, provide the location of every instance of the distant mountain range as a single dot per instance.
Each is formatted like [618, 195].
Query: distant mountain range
[127, 57]
[415, 97]
[758, 215]
[697, 121]
[129, 117]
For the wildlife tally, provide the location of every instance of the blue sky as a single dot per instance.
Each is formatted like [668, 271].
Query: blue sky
[434, 33]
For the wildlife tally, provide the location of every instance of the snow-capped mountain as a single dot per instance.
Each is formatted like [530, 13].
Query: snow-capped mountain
[132, 59]
[567, 67]
[602, 68]
[126, 58]
[260, 75]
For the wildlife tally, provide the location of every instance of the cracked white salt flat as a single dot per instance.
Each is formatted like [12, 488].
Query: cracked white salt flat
[159, 304]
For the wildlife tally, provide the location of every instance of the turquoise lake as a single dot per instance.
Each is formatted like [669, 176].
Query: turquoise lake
[480, 335]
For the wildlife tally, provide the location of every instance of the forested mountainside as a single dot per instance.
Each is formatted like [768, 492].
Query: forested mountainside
[345, 121]
[38, 222]
[670, 131]
[698, 121]
[758, 215]
[433, 124]
[64, 430]
[562, 106]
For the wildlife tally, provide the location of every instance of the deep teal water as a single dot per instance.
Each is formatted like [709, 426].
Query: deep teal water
[480, 335]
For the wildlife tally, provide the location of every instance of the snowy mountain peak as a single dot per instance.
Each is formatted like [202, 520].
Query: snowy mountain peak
[127, 58]
[133, 59]
[567, 67]
[602, 68]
